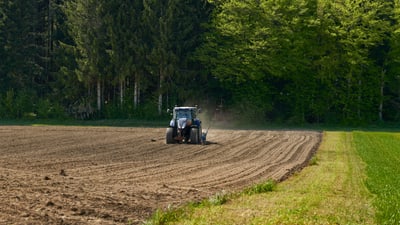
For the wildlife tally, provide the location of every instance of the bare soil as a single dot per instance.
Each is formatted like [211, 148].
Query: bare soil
[104, 175]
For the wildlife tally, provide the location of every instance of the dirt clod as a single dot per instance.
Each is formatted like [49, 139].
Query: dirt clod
[49, 204]
[63, 173]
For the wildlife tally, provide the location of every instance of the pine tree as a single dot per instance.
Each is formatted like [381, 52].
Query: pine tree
[3, 80]
[188, 28]
[158, 17]
[125, 34]
[85, 20]
[23, 43]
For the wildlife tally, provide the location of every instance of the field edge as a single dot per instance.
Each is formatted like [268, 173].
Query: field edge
[331, 191]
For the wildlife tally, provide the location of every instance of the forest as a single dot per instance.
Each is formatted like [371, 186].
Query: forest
[281, 61]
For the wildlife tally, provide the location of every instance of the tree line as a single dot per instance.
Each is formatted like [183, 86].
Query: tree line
[296, 61]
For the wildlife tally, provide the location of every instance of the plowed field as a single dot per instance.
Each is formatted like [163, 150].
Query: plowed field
[102, 175]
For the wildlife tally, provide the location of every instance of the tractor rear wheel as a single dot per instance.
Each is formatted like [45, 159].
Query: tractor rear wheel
[194, 136]
[170, 136]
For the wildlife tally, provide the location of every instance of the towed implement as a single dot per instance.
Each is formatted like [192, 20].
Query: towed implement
[184, 126]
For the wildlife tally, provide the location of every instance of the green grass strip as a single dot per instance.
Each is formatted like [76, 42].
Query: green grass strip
[381, 152]
[331, 191]
[265, 187]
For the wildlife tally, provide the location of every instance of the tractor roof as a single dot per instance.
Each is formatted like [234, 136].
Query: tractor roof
[184, 108]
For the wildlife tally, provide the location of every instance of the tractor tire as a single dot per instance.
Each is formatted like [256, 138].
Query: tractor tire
[169, 139]
[200, 132]
[194, 136]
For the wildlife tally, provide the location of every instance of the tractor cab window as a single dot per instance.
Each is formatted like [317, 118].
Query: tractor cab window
[186, 113]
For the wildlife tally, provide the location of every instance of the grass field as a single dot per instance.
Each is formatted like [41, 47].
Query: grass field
[353, 179]
[381, 152]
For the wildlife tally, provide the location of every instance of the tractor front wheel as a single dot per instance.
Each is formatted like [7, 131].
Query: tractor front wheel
[170, 136]
[194, 136]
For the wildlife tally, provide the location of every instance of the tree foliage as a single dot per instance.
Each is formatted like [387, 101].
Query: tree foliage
[276, 60]
[317, 59]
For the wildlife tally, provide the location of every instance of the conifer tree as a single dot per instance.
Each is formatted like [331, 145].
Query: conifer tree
[125, 34]
[158, 17]
[85, 20]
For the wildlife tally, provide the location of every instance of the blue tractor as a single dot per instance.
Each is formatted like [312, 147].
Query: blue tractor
[184, 127]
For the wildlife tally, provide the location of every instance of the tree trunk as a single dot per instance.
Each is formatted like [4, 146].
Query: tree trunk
[381, 95]
[98, 94]
[49, 41]
[160, 97]
[136, 92]
[121, 91]
[159, 104]
[359, 98]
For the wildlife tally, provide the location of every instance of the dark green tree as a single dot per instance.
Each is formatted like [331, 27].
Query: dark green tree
[189, 83]
[25, 51]
[23, 43]
[158, 17]
[3, 16]
[87, 29]
[127, 47]
[174, 31]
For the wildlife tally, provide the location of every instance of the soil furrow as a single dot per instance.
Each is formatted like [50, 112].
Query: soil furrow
[107, 175]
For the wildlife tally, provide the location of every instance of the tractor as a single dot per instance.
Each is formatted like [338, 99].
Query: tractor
[184, 127]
